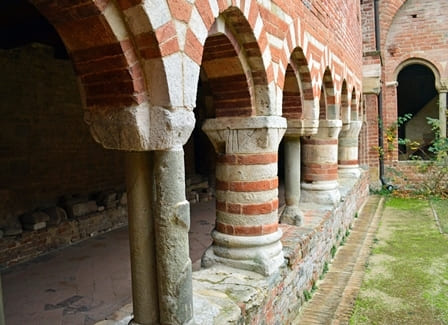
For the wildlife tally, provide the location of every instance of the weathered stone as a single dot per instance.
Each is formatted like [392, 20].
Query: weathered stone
[292, 214]
[141, 127]
[82, 208]
[108, 199]
[35, 226]
[13, 231]
[34, 218]
[56, 214]
[124, 199]
[172, 222]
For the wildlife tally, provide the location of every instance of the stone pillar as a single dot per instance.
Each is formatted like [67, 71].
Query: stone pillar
[141, 239]
[246, 235]
[296, 128]
[348, 151]
[320, 164]
[442, 113]
[172, 223]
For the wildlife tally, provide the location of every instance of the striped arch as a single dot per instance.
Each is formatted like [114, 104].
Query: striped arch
[224, 75]
[102, 52]
[292, 106]
[234, 67]
[298, 99]
[243, 26]
[332, 111]
[345, 104]
[354, 107]
[323, 104]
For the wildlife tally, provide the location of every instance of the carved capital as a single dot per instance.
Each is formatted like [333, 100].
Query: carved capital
[298, 127]
[141, 127]
[328, 129]
[236, 135]
[352, 132]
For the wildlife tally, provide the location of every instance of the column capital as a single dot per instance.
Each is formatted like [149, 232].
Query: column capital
[299, 127]
[354, 127]
[141, 127]
[245, 135]
[328, 129]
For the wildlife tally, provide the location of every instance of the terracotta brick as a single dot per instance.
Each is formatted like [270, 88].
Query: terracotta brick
[257, 186]
[193, 48]
[180, 9]
[237, 230]
[203, 7]
[163, 33]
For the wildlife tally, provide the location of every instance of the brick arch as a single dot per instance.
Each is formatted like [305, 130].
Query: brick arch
[298, 98]
[332, 112]
[425, 62]
[225, 76]
[345, 106]
[322, 104]
[238, 47]
[243, 26]
[300, 63]
[105, 63]
[355, 107]
[292, 100]
[388, 9]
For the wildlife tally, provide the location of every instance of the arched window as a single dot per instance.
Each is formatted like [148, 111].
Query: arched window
[417, 100]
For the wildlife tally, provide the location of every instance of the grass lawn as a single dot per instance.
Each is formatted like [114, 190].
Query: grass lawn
[406, 281]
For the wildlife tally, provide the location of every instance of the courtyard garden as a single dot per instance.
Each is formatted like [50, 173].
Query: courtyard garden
[406, 280]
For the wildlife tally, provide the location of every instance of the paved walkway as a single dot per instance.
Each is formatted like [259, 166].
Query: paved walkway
[84, 283]
[333, 302]
[87, 282]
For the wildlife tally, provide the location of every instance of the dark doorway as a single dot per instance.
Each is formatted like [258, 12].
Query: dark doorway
[416, 96]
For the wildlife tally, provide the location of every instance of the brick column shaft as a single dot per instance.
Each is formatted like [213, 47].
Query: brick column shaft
[246, 234]
[348, 158]
[320, 164]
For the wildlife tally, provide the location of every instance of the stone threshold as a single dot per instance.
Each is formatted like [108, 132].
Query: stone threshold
[224, 295]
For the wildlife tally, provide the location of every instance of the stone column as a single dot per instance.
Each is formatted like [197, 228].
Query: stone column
[348, 151]
[442, 112]
[172, 222]
[246, 235]
[320, 164]
[142, 239]
[296, 128]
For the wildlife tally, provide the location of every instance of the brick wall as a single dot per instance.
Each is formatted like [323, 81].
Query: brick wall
[46, 150]
[419, 30]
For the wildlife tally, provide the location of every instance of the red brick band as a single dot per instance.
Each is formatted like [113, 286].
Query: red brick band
[318, 172]
[256, 186]
[237, 230]
[247, 209]
[249, 159]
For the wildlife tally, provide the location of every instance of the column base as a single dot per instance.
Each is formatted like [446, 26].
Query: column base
[326, 193]
[261, 254]
[349, 172]
[292, 215]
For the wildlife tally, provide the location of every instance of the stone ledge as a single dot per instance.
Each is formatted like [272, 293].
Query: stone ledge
[224, 295]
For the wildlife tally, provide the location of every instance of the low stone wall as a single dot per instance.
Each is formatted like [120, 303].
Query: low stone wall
[30, 244]
[223, 295]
